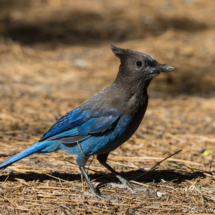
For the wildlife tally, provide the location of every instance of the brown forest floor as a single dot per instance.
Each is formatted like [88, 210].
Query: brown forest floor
[55, 54]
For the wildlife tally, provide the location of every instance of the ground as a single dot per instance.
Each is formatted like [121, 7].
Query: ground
[55, 54]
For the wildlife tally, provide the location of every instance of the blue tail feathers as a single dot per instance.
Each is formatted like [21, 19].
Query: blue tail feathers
[38, 147]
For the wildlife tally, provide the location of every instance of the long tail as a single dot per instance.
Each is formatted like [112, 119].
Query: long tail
[45, 146]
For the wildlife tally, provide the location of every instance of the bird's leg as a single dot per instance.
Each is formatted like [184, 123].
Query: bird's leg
[81, 163]
[88, 181]
[102, 158]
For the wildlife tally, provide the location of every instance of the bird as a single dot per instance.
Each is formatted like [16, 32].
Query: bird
[104, 121]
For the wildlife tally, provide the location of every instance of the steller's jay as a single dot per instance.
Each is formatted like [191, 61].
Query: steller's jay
[106, 120]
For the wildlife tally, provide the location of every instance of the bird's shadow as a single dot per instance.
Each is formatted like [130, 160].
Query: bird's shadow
[153, 176]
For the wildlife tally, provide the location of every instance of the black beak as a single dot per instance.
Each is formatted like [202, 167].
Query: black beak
[162, 68]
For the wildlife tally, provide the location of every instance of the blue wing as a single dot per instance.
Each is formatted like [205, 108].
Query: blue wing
[81, 124]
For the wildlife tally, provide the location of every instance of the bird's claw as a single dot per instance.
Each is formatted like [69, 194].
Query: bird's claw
[126, 185]
[131, 188]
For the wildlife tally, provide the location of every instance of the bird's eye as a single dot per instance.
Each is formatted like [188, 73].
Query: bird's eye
[139, 63]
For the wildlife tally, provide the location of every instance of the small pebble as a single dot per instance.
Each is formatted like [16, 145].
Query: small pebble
[159, 194]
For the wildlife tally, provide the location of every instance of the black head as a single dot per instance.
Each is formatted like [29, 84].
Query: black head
[137, 66]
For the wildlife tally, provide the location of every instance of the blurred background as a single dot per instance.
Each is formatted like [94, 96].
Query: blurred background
[54, 54]
[45, 39]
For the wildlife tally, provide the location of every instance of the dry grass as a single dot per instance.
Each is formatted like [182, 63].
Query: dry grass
[63, 59]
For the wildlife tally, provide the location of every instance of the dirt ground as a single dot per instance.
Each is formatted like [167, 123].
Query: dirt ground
[54, 54]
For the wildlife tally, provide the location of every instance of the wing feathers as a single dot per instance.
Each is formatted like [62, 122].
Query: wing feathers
[102, 124]
[80, 123]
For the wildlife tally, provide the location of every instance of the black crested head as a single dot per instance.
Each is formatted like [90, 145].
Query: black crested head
[136, 67]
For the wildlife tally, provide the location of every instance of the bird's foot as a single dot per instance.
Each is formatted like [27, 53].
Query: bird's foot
[126, 185]
[102, 198]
